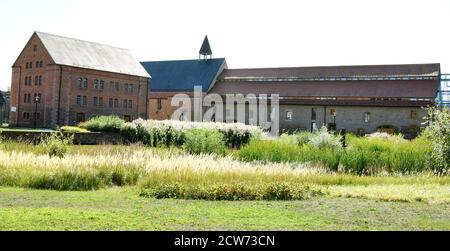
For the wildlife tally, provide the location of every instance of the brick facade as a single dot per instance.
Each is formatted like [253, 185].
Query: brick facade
[62, 100]
[160, 105]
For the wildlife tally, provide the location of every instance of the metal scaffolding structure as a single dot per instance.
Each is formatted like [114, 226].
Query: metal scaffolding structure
[444, 91]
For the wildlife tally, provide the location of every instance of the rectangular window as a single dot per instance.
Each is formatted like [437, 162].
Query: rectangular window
[159, 104]
[125, 87]
[117, 87]
[79, 83]
[100, 102]
[130, 104]
[81, 117]
[85, 83]
[79, 100]
[130, 88]
[125, 103]
[116, 103]
[289, 115]
[333, 111]
[102, 85]
[111, 103]
[367, 117]
[36, 80]
[414, 114]
[95, 101]
[84, 100]
[25, 98]
[96, 85]
[111, 86]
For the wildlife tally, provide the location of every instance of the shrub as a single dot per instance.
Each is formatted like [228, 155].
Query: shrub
[439, 133]
[229, 192]
[198, 141]
[56, 144]
[325, 140]
[103, 124]
[173, 133]
[368, 155]
[390, 129]
[303, 138]
[73, 129]
[269, 151]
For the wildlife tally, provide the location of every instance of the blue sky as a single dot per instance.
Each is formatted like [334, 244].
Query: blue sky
[248, 33]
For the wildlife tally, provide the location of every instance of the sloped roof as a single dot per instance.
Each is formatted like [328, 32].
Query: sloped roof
[84, 54]
[339, 81]
[183, 75]
[335, 71]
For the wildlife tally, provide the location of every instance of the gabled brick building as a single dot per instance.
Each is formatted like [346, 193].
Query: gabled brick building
[180, 77]
[63, 81]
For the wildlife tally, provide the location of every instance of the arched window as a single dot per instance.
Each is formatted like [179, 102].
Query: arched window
[85, 83]
[79, 82]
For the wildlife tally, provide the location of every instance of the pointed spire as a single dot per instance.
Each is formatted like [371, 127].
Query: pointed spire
[206, 48]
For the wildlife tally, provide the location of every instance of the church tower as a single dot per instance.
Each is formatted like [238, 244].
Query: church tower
[205, 51]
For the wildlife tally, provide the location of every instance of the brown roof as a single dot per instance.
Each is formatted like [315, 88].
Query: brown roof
[357, 103]
[411, 81]
[337, 71]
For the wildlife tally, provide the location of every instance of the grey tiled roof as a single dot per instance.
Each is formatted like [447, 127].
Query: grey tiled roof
[84, 54]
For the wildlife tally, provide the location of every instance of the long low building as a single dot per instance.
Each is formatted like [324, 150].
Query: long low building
[356, 98]
[360, 99]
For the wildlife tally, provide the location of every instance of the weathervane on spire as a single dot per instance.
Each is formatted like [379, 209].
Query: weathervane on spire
[205, 51]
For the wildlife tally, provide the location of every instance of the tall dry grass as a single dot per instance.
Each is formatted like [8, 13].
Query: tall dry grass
[156, 167]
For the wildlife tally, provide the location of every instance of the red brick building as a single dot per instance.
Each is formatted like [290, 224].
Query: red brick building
[63, 81]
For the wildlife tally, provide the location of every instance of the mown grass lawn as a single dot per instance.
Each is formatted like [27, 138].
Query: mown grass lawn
[123, 209]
